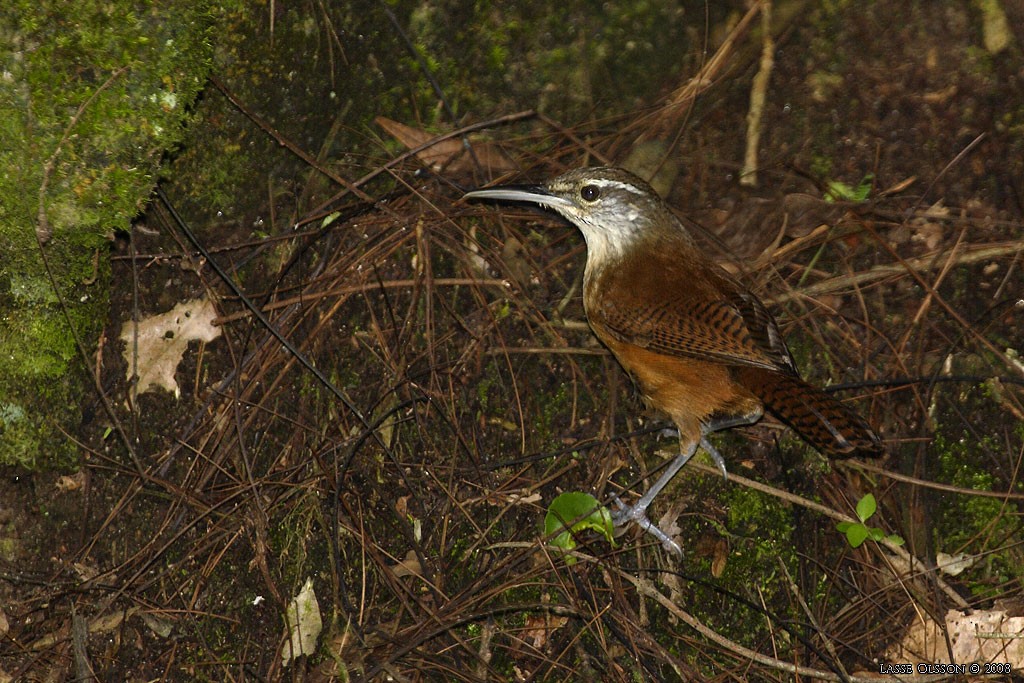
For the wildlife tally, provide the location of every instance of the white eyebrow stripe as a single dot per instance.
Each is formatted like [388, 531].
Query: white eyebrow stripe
[606, 182]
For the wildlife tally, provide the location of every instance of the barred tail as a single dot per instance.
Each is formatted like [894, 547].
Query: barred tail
[822, 421]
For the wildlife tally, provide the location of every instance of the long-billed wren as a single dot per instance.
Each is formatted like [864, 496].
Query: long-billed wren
[697, 343]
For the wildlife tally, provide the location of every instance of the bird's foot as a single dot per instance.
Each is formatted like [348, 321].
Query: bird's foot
[637, 514]
[668, 433]
[715, 456]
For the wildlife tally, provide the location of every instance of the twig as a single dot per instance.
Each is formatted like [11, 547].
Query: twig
[758, 90]
[288, 144]
[830, 513]
[665, 120]
[482, 125]
[356, 289]
[647, 588]
[966, 255]
[923, 483]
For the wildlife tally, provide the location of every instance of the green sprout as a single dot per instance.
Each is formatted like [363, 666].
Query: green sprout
[858, 532]
[836, 190]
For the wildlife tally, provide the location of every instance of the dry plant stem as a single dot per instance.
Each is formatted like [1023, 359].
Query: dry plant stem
[288, 144]
[570, 135]
[896, 476]
[916, 275]
[80, 648]
[809, 614]
[548, 350]
[411, 153]
[928, 262]
[926, 303]
[779, 254]
[647, 588]
[758, 91]
[666, 120]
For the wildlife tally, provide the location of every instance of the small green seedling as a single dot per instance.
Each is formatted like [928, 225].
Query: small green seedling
[858, 532]
[582, 511]
[838, 191]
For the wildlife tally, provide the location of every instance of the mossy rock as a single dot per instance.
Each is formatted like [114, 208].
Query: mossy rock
[92, 96]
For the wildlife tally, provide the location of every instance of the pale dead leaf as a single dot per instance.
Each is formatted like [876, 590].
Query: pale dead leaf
[402, 505]
[304, 622]
[669, 522]
[513, 253]
[987, 636]
[160, 626]
[105, 623]
[434, 156]
[163, 340]
[539, 628]
[71, 482]
[929, 232]
[982, 636]
[954, 565]
[410, 566]
[448, 154]
[503, 498]
[923, 642]
[937, 210]
[86, 572]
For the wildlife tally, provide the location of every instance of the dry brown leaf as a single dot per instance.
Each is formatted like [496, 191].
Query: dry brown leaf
[450, 154]
[402, 505]
[86, 572]
[504, 498]
[105, 623]
[71, 482]
[987, 636]
[410, 566]
[720, 558]
[982, 636]
[163, 340]
[540, 627]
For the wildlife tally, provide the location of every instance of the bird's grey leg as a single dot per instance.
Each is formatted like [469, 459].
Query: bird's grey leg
[720, 423]
[638, 511]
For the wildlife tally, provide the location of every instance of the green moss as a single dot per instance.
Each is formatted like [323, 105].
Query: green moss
[92, 96]
[758, 531]
[976, 524]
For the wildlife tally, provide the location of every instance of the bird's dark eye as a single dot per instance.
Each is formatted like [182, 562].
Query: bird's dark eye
[590, 193]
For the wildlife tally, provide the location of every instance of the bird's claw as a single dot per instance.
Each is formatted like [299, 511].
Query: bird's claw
[637, 514]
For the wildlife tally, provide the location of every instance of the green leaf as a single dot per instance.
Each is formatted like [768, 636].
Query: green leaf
[856, 534]
[895, 539]
[866, 507]
[837, 190]
[330, 218]
[582, 511]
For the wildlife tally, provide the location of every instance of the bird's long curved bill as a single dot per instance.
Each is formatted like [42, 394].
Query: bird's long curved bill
[534, 194]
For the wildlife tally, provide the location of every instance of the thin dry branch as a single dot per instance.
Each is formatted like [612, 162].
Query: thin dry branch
[963, 255]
